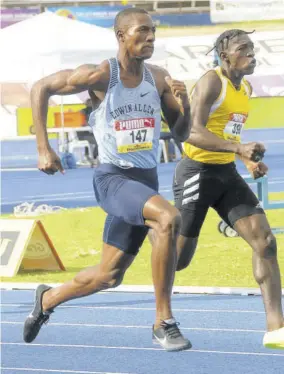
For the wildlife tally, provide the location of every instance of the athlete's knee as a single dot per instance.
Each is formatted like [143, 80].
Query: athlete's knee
[186, 253]
[267, 250]
[182, 264]
[111, 279]
[265, 245]
[98, 278]
[115, 280]
[169, 221]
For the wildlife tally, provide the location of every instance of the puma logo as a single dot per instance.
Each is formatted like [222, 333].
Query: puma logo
[144, 94]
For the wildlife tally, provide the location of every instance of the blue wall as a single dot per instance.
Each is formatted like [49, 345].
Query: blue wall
[188, 19]
[104, 16]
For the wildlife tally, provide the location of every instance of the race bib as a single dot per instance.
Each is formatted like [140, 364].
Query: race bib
[134, 134]
[234, 127]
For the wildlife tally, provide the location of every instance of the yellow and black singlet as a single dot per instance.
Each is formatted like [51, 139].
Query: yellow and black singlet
[226, 120]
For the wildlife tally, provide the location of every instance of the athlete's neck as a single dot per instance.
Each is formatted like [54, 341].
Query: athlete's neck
[234, 76]
[133, 66]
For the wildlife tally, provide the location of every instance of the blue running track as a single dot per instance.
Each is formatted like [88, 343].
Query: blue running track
[111, 333]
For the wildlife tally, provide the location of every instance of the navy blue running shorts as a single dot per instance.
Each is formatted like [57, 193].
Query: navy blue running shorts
[122, 194]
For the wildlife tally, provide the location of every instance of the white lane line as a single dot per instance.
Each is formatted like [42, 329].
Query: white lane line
[19, 169]
[137, 308]
[132, 326]
[62, 371]
[139, 349]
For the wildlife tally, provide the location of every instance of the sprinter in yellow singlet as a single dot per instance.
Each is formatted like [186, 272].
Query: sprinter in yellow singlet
[207, 176]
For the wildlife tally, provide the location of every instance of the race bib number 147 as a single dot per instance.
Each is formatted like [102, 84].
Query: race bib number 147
[134, 134]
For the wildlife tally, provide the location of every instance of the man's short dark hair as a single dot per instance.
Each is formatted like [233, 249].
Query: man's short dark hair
[126, 13]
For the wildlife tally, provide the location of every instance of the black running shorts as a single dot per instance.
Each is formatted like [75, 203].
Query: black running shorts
[198, 186]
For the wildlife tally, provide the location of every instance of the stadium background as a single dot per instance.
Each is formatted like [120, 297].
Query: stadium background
[186, 31]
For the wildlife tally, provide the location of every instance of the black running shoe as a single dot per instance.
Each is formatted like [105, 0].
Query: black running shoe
[170, 338]
[37, 317]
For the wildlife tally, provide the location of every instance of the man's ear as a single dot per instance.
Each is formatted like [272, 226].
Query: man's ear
[120, 35]
[224, 57]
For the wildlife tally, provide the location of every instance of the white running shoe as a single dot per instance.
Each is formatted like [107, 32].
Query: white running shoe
[274, 339]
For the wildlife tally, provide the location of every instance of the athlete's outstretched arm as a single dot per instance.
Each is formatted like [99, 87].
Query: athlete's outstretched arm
[175, 106]
[204, 96]
[65, 82]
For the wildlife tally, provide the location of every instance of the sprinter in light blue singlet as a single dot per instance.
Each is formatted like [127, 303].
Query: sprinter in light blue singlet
[128, 121]
[127, 127]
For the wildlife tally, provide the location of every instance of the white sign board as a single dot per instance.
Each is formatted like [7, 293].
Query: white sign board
[25, 245]
[224, 11]
[185, 58]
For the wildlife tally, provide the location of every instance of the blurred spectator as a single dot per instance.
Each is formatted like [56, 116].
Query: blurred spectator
[91, 105]
[167, 136]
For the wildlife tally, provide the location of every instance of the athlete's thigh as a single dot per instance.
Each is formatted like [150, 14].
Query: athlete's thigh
[124, 236]
[238, 200]
[193, 195]
[255, 230]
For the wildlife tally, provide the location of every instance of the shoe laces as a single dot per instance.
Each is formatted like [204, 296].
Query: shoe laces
[171, 329]
[44, 318]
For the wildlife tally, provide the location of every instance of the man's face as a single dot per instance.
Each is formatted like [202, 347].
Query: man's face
[139, 36]
[240, 54]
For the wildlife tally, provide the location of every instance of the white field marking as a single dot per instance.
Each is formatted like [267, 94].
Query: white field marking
[57, 194]
[139, 349]
[43, 199]
[132, 326]
[147, 309]
[61, 371]
[148, 289]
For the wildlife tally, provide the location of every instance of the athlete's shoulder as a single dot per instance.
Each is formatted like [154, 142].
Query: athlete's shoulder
[103, 67]
[95, 74]
[155, 69]
[208, 85]
[210, 78]
[159, 74]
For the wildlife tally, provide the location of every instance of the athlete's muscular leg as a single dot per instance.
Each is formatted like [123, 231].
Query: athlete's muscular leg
[165, 220]
[185, 249]
[256, 231]
[107, 274]
[193, 217]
